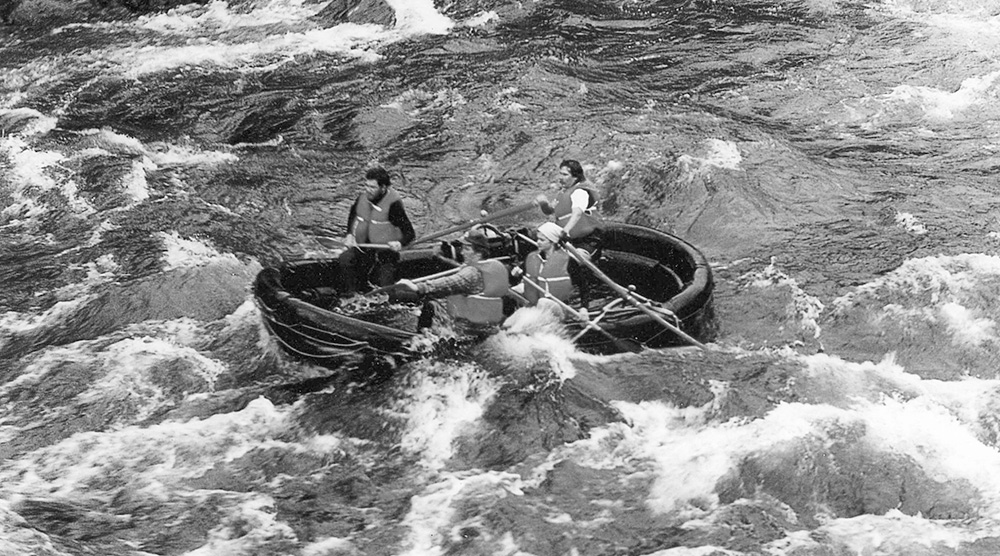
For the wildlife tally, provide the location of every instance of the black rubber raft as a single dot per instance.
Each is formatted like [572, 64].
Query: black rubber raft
[300, 302]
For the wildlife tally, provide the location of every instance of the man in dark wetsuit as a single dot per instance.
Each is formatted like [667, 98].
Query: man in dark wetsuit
[377, 217]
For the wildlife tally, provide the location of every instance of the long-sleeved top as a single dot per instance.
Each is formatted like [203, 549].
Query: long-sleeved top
[397, 217]
[467, 281]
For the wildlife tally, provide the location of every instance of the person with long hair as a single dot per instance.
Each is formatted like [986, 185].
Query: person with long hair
[574, 209]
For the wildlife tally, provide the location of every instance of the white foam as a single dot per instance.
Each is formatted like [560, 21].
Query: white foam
[211, 42]
[480, 19]
[966, 328]
[184, 155]
[156, 459]
[719, 154]
[946, 105]
[442, 406]
[909, 223]
[101, 271]
[704, 550]
[20, 323]
[326, 546]
[420, 17]
[943, 289]
[807, 308]
[40, 124]
[111, 141]
[939, 277]
[17, 537]
[216, 16]
[266, 54]
[135, 183]
[125, 363]
[432, 511]
[252, 525]
[936, 424]
[898, 533]
[190, 253]
[32, 169]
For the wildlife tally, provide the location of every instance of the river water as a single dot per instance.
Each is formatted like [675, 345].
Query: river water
[834, 160]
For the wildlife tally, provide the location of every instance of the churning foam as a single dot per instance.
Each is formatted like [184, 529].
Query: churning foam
[216, 16]
[31, 170]
[446, 402]
[947, 289]
[433, 511]
[420, 17]
[946, 105]
[718, 154]
[190, 253]
[805, 307]
[210, 40]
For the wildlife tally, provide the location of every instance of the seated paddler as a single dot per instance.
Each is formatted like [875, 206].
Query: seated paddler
[478, 292]
[547, 268]
[575, 211]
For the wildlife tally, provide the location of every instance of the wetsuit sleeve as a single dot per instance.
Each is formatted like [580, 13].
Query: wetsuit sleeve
[399, 219]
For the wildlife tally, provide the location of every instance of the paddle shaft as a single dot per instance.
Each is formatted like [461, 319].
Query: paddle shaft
[371, 246]
[625, 294]
[459, 227]
[332, 243]
[593, 322]
[622, 344]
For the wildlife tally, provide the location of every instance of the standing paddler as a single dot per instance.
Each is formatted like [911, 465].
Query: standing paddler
[377, 217]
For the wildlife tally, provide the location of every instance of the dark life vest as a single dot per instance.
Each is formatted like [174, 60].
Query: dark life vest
[564, 209]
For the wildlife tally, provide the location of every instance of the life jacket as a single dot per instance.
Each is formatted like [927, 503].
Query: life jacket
[371, 221]
[564, 209]
[550, 274]
[485, 307]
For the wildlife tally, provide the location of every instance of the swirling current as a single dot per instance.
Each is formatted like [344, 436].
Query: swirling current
[833, 160]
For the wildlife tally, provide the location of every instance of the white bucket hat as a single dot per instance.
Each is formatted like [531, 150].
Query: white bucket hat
[550, 231]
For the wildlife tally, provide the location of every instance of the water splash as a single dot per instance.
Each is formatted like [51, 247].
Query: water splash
[191, 253]
[445, 402]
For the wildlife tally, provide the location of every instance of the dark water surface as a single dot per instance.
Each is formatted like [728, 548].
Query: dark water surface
[835, 161]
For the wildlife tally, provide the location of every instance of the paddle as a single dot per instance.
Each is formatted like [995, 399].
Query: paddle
[460, 227]
[626, 295]
[592, 323]
[622, 345]
[333, 243]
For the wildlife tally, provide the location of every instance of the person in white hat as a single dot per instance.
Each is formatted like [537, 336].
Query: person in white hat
[547, 267]
[476, 292]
